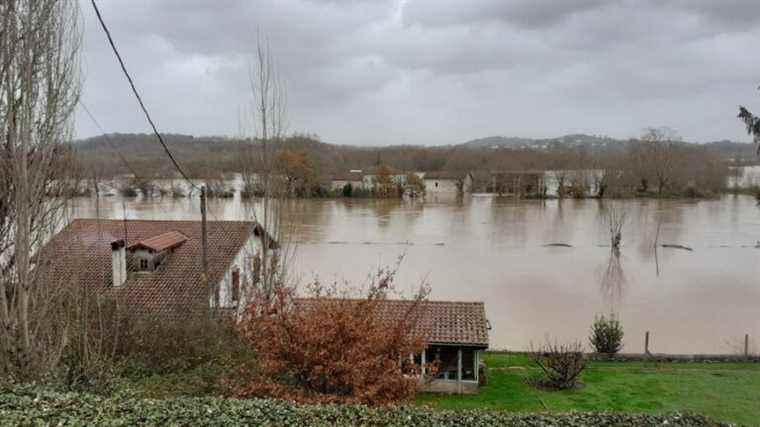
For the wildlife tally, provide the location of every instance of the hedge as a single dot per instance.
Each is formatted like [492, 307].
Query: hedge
[30, 405]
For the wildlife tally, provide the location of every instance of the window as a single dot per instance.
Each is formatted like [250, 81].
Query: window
[143, 264]
[235, 285]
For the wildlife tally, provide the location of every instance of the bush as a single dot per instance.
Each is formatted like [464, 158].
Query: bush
[160, 346]
[328, 349]
[347, 190]
[561, 364]
[606, 335]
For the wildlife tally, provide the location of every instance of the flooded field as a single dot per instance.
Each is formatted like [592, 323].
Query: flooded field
[482, 248]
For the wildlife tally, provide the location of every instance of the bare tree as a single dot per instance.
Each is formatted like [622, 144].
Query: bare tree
[39, 89]
[614, 218]
[269, 124]
[660, 155]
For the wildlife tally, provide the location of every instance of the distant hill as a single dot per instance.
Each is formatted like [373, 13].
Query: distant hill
[730, 150]
[566, 141]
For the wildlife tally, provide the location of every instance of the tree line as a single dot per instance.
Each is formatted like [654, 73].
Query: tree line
[657, 163]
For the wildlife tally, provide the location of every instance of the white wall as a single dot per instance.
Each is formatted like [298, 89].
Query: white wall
[443, 186]
[243, 261]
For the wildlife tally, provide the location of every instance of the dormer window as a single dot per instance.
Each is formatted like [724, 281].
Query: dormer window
[149, 253]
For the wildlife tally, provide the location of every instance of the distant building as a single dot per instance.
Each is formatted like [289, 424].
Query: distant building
[371, 175]
[340, 180]
[447, 182]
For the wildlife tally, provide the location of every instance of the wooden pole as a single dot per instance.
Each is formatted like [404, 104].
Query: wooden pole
[646, 343]
[459, 371]
[746, 345]
[204, 248]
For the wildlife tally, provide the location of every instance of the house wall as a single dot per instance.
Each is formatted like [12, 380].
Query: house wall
[244, 261]
[443, 186]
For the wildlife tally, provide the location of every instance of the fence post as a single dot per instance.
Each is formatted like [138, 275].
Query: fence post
[746, 345]
[646, 343]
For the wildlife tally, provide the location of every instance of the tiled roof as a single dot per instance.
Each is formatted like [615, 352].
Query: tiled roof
[439, 322]
[81, 254]
[162, 242]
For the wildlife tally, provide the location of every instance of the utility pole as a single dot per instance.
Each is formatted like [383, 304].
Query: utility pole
[204, 248]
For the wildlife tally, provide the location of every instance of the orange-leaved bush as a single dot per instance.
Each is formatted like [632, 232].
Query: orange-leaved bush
[329, 349]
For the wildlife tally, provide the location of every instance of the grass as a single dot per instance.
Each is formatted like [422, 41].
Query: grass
[728, 392]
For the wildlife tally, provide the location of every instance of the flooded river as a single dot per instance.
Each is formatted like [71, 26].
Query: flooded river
[482, 248]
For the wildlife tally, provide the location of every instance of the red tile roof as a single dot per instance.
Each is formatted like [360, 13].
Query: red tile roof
[440, 322]
[162, 242]
[81, 254]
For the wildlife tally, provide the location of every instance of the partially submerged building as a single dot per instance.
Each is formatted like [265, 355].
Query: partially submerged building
[353, 178]
[446, 182]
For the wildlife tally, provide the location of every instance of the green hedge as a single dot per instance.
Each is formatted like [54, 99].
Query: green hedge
[35, 406]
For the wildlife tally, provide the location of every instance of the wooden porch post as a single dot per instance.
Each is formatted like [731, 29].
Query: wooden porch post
[422, 363]
[477, 366]
[459, 371]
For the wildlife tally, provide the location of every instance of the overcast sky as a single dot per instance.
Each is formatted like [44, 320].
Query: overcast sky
[377, 72]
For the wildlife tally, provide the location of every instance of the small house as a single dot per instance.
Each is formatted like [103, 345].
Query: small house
[155, 267]
[340, 180]
[455, 335]
[396, 177]
[447, 182]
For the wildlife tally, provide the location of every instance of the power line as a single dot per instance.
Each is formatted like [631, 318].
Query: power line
[137, 94]
[107, 138]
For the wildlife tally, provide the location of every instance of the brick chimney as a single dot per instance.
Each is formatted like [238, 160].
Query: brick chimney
[119, 262]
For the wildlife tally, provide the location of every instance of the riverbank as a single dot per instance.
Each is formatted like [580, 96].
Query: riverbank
[727, 392]
[35, 406]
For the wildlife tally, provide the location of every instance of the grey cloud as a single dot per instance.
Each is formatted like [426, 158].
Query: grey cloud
[424, 71]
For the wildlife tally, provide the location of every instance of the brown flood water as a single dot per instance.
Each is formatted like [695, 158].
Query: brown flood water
[489, 249]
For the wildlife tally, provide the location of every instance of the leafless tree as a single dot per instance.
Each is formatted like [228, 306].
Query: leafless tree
[39, 89]
[614, 218]
[269, 123]
[660, 155]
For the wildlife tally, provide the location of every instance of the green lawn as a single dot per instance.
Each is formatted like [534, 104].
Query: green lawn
[724, 391]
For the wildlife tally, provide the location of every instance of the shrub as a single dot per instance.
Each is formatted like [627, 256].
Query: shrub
[606, 335]
[561, 364]
[128, 191]
[327, 349]
[347, 190]
[160, 346]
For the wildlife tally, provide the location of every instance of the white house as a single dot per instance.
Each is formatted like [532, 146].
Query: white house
[447, 182]
[340, 180]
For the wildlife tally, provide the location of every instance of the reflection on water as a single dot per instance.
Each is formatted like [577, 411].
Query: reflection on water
[493, 250]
